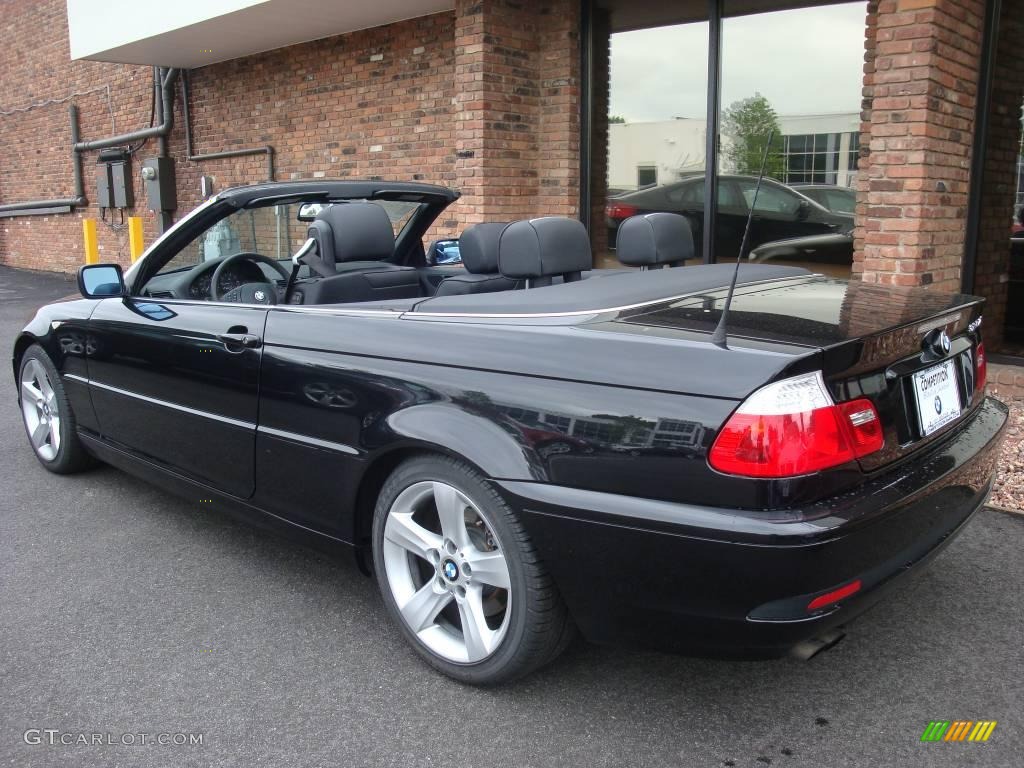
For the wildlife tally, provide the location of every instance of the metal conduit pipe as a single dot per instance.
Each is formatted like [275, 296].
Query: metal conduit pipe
[264, 150]
[78, 146]
[158, 74]
[40, 206]
[163, 129]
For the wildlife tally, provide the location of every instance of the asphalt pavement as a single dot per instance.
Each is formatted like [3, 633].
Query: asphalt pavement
[127, 611]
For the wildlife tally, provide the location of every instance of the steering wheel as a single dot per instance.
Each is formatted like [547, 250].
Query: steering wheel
[248, 293]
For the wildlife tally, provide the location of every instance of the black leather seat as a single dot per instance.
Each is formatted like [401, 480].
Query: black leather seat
[354, 242]
[539, 250]
[652, 240]
[479, 248]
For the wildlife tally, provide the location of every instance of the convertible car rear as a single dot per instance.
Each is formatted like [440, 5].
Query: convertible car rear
[519, 446]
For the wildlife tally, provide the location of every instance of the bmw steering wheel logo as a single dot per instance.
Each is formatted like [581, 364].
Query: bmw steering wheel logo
[451, 570]
[259, 295]
[938, 404]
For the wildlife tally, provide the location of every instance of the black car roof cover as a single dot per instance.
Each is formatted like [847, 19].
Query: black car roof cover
[339, 189]
[622, 289]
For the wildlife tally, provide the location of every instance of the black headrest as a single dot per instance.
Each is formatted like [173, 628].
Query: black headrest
[540, 248]
[654, 238]
[322, 233]
[479, 248]
[357, 232]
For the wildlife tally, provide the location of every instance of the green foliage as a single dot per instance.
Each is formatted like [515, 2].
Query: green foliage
[616, 119]
[748, 123]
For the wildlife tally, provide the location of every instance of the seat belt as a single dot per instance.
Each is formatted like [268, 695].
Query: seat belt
[307, 255]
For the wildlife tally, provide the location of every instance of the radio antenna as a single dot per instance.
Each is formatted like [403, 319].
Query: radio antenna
[719, 336]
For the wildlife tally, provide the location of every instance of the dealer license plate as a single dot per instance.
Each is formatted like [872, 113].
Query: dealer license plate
[938, 396]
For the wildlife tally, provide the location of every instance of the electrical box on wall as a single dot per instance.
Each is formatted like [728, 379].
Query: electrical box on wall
[121, 183]
[158, 179]
[113, 178]
[104, 193]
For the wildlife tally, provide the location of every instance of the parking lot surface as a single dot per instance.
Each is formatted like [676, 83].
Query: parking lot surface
[124, 610]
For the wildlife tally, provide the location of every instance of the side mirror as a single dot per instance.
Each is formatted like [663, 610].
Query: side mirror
[803, 210]
[101, 281]
[444, 252]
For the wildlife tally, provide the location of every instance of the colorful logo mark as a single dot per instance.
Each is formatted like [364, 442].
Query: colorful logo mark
[958, 730]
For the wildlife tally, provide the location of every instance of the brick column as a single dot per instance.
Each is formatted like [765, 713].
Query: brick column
[558, 157]
[920, 87]
[517, 109]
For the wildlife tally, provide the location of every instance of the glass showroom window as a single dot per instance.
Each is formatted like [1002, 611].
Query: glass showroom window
[649, 113]
[795, 76]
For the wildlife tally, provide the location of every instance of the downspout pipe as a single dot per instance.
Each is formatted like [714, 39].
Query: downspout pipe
[186, 113]
[60, 202]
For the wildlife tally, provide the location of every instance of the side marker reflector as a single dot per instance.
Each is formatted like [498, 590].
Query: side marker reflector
[834, 596]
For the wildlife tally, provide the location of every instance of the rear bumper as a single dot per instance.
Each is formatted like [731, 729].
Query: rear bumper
[736, 583]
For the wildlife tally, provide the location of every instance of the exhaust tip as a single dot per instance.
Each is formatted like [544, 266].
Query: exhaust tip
[808, 649]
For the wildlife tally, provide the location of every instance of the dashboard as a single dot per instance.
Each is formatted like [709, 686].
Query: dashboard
[237, 274]
[195, 282]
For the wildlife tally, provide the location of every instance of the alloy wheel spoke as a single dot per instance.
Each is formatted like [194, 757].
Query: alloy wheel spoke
[479, 638]
[450, 512]
[406, 533]
[489, 568]
[40, 433]
[422, 608]
[30, 393]
[43, 381]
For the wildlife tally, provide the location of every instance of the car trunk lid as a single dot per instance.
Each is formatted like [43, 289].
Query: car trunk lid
[880, 342]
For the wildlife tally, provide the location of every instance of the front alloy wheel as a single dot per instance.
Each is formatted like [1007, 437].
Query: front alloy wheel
[460, 577]
[40, 410]
[47, 414]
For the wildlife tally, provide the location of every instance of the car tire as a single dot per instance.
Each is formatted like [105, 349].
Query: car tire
[47, 415]
[434, 576]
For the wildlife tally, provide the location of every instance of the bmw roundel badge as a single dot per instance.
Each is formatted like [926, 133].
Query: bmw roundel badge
[451, 570]
[938, 404]
[937, 342]
[259, 296]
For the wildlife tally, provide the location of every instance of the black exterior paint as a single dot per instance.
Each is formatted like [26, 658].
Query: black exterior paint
[645, 541]
[174, 355]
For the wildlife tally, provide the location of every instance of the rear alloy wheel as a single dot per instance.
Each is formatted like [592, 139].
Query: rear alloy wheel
[460, 577]
[49, 421]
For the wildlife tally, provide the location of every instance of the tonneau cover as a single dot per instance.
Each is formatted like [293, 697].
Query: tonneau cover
[623, 289]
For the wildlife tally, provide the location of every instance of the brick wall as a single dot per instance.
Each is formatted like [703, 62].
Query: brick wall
[920, 88]
[371, 104]
[517, 109]
[1000, 180]
[35, 144]
[485, 98]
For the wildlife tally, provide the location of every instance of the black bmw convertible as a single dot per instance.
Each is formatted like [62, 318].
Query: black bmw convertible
[519, 447]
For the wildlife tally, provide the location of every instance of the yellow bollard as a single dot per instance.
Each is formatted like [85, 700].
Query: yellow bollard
[92, 247]
[135, 237]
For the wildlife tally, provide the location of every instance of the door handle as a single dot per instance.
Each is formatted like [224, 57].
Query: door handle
[244, 340]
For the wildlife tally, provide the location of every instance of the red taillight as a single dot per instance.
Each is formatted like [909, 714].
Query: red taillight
[792, 428]
[864, 425]
[980, 369]
[614, 210]
[834, 596]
